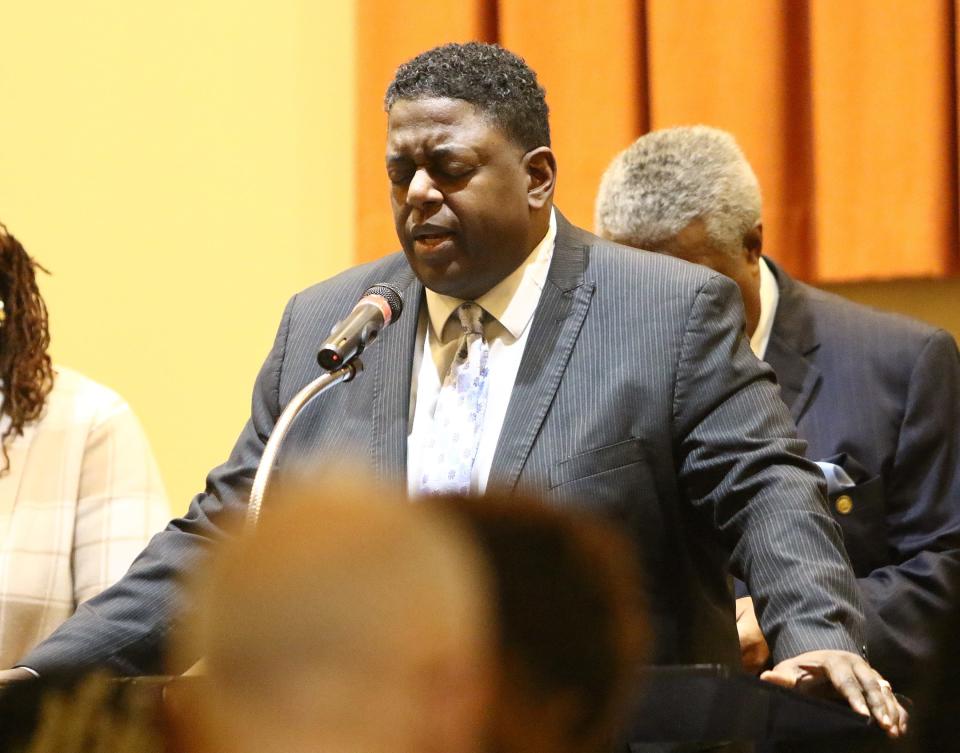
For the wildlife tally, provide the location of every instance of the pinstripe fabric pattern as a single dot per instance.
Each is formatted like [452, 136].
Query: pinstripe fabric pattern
[563, 306]
[82, 498]
[636, 398]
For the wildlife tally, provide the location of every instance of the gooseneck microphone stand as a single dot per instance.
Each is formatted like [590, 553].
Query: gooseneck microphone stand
[319, 385]
[380, 305]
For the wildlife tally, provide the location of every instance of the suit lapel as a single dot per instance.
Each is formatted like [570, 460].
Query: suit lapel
[792, 342]
[392, 369]
[560, 313]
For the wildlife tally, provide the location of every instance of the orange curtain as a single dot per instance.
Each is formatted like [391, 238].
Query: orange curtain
[847, 110]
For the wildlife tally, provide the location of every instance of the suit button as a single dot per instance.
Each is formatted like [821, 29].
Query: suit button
[844, 504]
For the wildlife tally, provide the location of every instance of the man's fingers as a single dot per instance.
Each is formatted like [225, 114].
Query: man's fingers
[852, 677]
[894, 710]
[898, 714]
[883, 705]
[876, 698]
[841, 675]
[841, 672]
[780, 677]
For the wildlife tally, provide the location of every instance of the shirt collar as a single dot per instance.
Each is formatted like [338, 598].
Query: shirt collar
[769, 298]
[513, 300]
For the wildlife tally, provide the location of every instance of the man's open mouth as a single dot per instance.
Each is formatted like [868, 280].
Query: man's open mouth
[432, 239]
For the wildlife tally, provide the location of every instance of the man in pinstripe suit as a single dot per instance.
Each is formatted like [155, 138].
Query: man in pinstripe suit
[619, 381]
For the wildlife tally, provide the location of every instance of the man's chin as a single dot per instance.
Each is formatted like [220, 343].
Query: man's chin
[460, 285]
[446, 278]
[444, 285]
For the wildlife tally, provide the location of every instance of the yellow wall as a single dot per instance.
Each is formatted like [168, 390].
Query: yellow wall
[181, 167]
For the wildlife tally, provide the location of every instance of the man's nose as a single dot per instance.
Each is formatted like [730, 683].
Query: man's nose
[422, 191]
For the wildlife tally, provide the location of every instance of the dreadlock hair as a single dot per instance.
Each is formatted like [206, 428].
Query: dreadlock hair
[25, 366]
[494, 80]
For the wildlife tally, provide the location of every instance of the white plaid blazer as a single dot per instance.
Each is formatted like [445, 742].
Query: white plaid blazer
[82, 498]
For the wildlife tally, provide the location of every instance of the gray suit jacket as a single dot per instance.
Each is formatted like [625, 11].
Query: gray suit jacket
[637, 397]
[879, 395]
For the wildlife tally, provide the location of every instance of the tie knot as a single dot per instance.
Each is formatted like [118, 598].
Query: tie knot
[471, 318]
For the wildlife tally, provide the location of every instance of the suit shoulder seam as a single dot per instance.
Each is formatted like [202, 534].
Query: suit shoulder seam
[288, 315]
[681, 351]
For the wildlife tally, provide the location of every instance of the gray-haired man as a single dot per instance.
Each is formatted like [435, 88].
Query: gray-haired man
[876, 396]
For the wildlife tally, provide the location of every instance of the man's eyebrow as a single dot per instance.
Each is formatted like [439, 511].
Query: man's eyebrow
[446, 150]
[433, 153]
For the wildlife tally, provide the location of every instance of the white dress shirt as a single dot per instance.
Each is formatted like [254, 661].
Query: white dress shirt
[510, 305]
[769, 298]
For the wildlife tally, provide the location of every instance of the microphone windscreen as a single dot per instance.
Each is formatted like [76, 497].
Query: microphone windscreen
[391, 295]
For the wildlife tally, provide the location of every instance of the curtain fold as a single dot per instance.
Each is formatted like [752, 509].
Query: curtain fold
[847, 110]
[742, 65]
[884, 106]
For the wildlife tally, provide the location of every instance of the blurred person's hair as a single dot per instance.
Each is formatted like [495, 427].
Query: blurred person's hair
[570, 613]
[26, 371]
[667, 179]
[82, 713]
[348, 619]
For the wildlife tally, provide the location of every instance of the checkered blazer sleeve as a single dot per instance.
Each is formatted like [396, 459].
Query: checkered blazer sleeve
[121, 501]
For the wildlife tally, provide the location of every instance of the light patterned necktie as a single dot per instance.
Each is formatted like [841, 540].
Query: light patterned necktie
[451, 447]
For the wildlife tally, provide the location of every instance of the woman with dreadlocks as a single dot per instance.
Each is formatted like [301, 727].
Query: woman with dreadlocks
[80, 493]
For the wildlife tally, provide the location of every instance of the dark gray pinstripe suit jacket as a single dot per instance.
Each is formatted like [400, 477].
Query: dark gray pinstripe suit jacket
[636, 397]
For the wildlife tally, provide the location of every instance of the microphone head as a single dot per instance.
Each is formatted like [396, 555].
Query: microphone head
[391, 295]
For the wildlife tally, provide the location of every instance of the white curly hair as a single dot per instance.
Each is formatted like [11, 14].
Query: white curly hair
[666, 179]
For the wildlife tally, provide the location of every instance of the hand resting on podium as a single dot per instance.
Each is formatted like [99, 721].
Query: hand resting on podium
[849, 675]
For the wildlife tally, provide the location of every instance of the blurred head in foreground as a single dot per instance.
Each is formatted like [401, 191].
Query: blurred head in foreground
[571, 630]
[348, 622]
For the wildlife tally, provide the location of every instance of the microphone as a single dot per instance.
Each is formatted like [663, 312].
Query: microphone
[380, 305]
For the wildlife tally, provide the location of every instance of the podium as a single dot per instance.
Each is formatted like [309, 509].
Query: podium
[694, 705]
[681, 708]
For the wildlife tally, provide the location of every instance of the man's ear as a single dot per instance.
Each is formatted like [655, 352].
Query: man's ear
[753, 243]
[541, 168]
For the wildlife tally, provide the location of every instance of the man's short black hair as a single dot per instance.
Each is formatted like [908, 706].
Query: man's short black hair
[492, 79]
